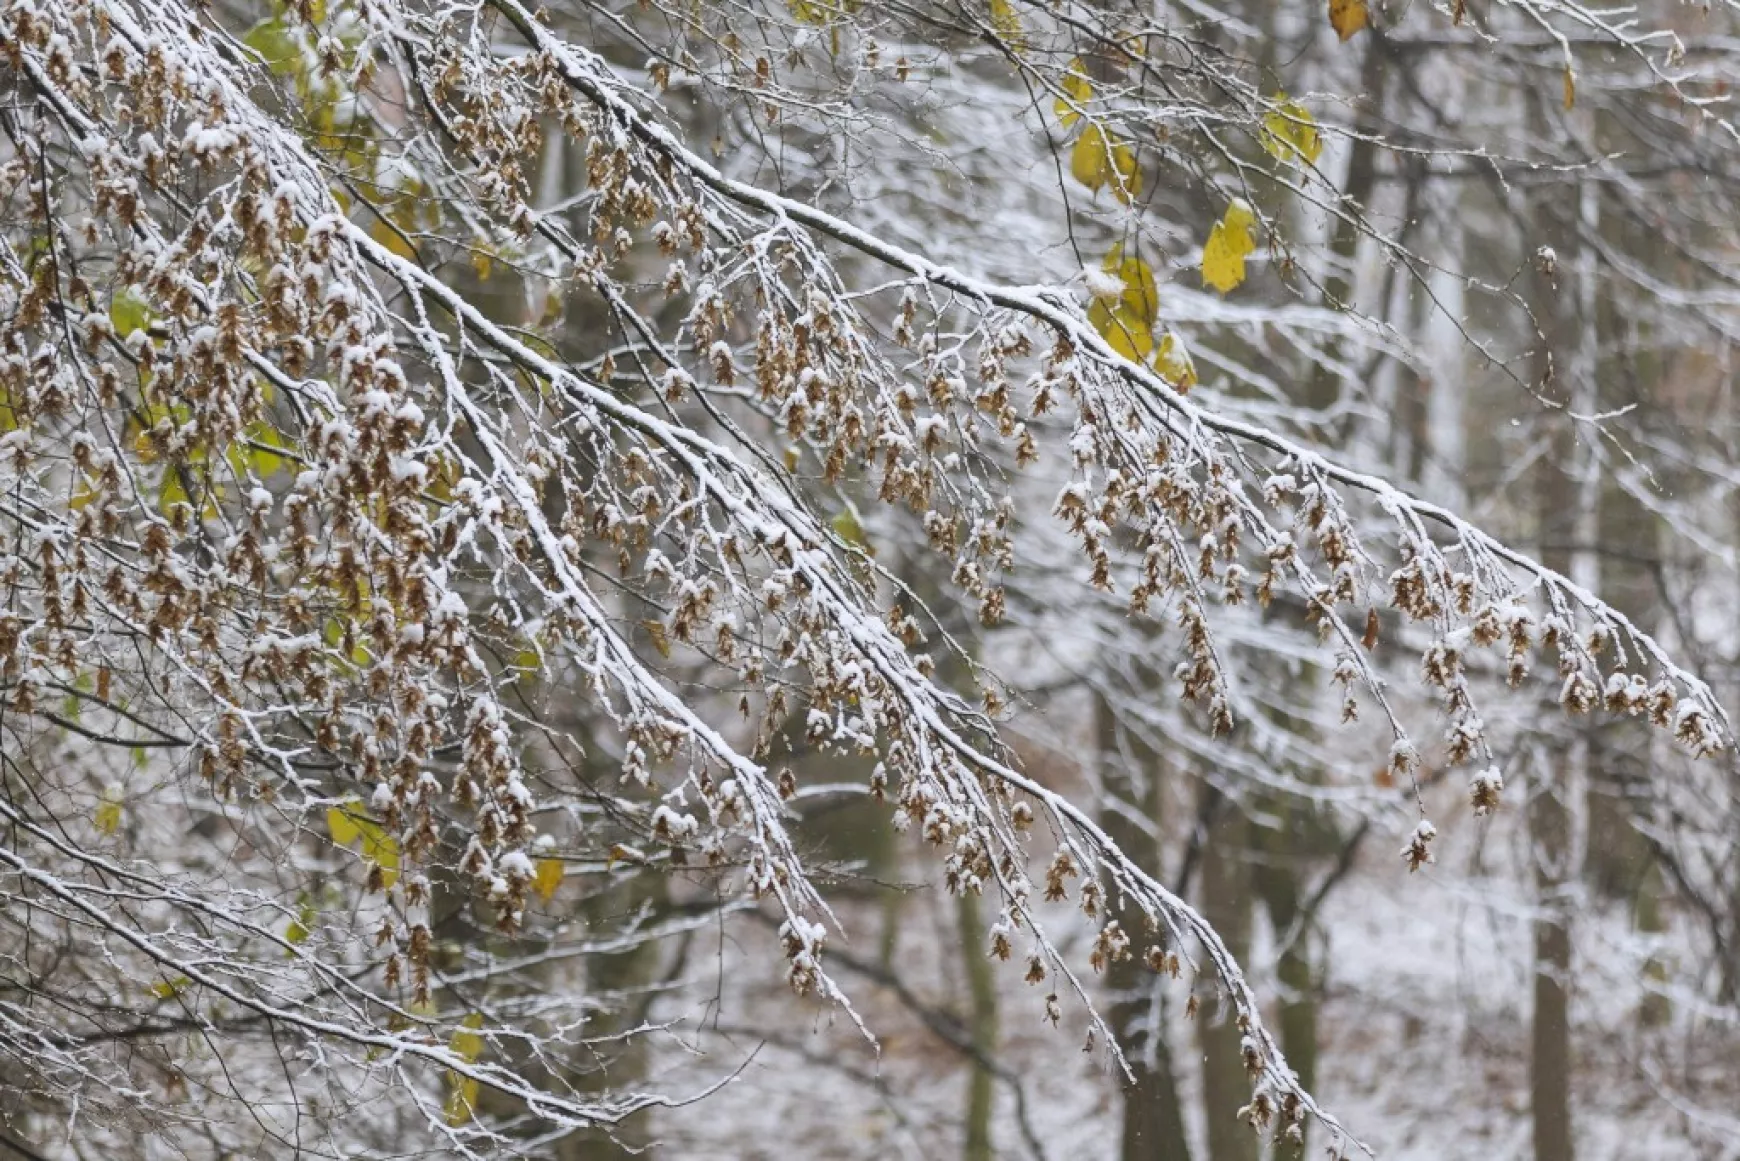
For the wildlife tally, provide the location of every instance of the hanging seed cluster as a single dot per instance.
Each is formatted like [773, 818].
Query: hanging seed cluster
[303, 504]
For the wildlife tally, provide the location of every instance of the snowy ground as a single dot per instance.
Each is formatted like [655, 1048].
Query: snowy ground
[1424, 1038]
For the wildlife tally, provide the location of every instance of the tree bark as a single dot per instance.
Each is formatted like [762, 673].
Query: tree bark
[1226, 904]
[1153, 1120]
[982, 1027]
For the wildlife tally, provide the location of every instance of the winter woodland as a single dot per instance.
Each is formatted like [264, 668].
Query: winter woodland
[869, 578]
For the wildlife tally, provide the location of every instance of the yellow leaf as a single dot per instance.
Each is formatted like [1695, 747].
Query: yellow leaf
[1290, 132]
[461, 1099]
[169, 989]
[466, 1043]
[1347, 16]
[1127, 332]
[548, 878]
[341, 823]
[462, 1090]
[171, 491]
[108, 814]
[1007, 24]
[1173, 362]
[1141, 296]
[661, 640]
[83, 494]
[444, 473]
[393, 240]
[1223, 258]
[381, 849]
[1128, 184]
[1570, 88]
[1240, 216]
[1103, 158]
[333, 634]
[347, 823]
[821, 11]
[1076, 93]
[301, 926]
[1088, 161]
[530, 664]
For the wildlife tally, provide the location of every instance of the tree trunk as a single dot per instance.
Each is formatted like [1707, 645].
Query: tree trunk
[982, 1027]
[1563, 294]
[1279, 889]
[1550, 1045]
[622, 973]
[1226, 904]
[1153, 1120]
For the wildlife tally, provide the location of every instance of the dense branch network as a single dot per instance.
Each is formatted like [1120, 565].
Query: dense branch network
[287, 498]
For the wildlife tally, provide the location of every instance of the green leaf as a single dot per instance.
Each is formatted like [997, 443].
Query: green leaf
[276, 45]
[108, 813]
[347, 824]
[302, 926]
[341, 823]
[169, 989]
[846, 527]
[251, 452]
[128, 313]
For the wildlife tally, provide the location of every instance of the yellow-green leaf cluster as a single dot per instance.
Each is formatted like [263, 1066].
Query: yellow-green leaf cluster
[108, 813]
[1126, 317]
[347, 823]
[169, 989]
[462, 1090]
[1101, 158]
[1290, 132]
[299, 928]
[128, 313]
[1077, 92]
[1006, 23]
[821, 12]
[253, 452]
[846, 527]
